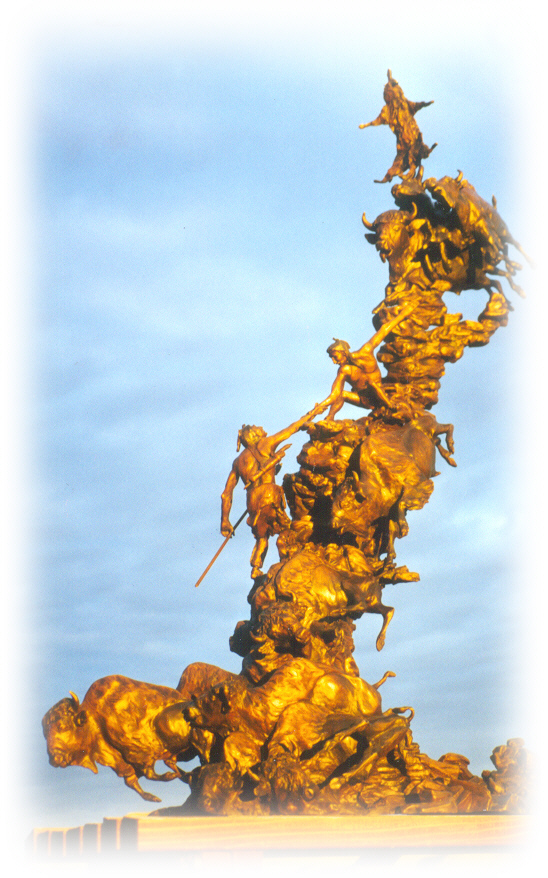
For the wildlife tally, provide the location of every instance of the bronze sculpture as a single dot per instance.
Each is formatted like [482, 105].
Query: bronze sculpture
[257, 466]
[360, 369]
[399, 114]
[298, 730]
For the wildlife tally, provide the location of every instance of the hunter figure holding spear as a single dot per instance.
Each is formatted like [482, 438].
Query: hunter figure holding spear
[257, 466]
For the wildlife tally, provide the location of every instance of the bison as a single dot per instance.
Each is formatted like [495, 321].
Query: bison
[396, 464]
[486, 234]
[301, 704]
[116, 725]
[284, 739]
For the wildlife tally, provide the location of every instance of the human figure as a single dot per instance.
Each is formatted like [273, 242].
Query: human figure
[359, 369]
[257, 466]
[399, 114]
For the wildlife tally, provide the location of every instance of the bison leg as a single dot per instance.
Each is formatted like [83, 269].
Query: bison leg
[171, 762]
[445, 453]
[299, 727]
[383, 734]
[447, 431]
[393, 530]
[390, 526]
[241, 751]
[387, 613]
[372, 603]
[151, 774]
[131, 781]
[128, 772]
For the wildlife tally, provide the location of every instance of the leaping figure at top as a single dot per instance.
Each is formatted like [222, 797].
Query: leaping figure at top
[399, 114]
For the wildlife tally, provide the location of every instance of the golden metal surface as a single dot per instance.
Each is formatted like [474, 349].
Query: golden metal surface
[298, 731]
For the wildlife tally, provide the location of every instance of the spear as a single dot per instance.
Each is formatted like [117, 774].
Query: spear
[276, 459]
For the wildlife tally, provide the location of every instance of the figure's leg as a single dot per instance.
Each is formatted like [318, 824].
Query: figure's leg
[378, 388]
[335, 407]
[257, 556]
[346, 396]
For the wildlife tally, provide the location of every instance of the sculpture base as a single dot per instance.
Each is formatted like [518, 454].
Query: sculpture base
[200, 838]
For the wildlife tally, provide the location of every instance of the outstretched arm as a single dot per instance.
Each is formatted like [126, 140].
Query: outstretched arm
[415, 106]
[226, 502]
[382, 119]
[385, 329]
[337, 387]
[269, 443]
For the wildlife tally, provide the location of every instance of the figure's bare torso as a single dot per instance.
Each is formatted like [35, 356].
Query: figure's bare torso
[364, 372]
[250, 463]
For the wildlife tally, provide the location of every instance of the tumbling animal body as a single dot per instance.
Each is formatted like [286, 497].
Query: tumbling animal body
[115, 725]
[198, 677]
[486, 234]
[300, 704]
[455, 242]
[396, 467]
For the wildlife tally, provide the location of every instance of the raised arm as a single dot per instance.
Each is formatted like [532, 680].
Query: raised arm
[415, 106]
[336, 397]
[385, 329]
[269, 443]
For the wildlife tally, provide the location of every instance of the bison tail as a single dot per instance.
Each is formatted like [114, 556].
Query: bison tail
[383, 679]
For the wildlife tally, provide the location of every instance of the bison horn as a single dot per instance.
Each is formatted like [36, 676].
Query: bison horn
[367, 224]
[459, 177]
[75, 699]
[414, 210]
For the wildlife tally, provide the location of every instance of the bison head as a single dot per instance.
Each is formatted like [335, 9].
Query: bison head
[215, 709]
[284, 782]
[66, 734]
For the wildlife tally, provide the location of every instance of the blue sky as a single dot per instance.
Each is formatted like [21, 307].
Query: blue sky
[197, 242]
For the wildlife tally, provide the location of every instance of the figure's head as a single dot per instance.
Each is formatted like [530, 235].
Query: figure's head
[339, 350]
[249, 435]
[392, 90]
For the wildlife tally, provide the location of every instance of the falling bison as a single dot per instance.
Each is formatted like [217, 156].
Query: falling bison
[117, 725]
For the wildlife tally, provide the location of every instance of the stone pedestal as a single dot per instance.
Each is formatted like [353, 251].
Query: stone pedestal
[361, 839]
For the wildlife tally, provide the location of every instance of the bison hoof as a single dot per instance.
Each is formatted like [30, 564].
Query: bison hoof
[149, 797]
